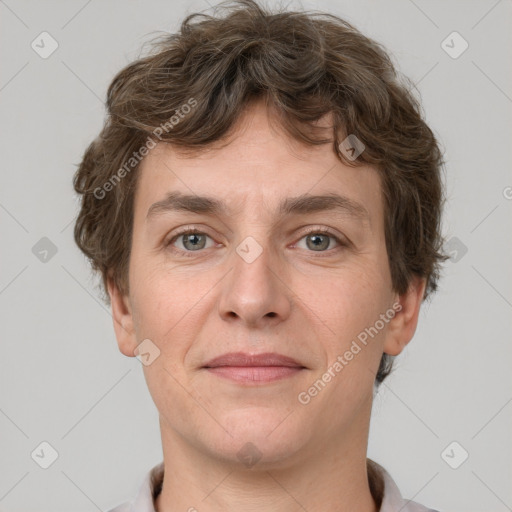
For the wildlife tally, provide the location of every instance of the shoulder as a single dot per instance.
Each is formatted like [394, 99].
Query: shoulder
[144, 500]
[124, 507]
[412, 506]
[387, 492]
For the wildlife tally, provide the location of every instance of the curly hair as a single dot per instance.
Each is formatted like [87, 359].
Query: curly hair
[193, 85]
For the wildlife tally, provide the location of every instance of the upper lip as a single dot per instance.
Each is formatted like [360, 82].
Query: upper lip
[244, 359]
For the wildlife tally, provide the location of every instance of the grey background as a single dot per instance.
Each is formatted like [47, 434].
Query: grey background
[62, 378]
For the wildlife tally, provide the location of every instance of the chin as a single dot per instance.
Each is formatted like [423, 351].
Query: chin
[259, 437]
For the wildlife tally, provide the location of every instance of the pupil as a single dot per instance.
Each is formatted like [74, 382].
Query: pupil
[192, 238]
[318, 241]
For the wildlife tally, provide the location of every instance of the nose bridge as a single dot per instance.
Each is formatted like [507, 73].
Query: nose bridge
[254, 292]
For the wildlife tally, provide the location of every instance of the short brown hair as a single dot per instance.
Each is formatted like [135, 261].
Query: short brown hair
[304, 65]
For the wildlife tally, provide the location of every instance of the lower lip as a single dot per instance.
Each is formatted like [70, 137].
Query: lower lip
[255, 374]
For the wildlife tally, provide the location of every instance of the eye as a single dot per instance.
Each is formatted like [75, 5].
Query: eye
[319, 240]
[192, 240]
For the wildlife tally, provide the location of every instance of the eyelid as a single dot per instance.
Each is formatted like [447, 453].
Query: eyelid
[324, 230]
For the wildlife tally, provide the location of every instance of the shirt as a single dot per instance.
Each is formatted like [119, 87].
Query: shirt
[384, 491]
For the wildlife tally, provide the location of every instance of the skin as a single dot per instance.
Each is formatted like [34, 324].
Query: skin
[306, 303]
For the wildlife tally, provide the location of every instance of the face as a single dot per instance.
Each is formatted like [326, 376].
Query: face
[274, 269]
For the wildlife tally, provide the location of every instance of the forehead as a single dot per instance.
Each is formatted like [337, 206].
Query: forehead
[255, 170]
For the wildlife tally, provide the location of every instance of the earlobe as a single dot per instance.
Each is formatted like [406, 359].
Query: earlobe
[402, 327]
[123, 320]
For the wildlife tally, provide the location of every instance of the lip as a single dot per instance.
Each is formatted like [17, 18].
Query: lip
[253, 369]
[242, 359]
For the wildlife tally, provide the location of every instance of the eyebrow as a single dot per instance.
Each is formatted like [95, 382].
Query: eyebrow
[177, 202]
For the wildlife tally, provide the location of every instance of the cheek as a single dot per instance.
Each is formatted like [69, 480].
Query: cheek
[348, 300]
[353, 348]
[170, 311]
[161, 297]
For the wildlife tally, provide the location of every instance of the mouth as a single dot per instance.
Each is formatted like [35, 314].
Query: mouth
[253, 369]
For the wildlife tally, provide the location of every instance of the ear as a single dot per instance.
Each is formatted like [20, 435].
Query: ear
[402, 327]
[123, 320]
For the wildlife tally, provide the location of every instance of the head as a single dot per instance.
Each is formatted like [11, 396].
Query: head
[258, 111]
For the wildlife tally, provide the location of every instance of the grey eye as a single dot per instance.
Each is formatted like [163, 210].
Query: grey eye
[318, 241]
[192, 241]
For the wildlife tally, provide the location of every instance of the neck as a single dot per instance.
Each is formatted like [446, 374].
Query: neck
[329, 474]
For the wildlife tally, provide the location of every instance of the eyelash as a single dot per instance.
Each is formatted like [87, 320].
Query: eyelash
[315, 231]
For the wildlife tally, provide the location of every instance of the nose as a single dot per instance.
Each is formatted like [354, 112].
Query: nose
[254, 292]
